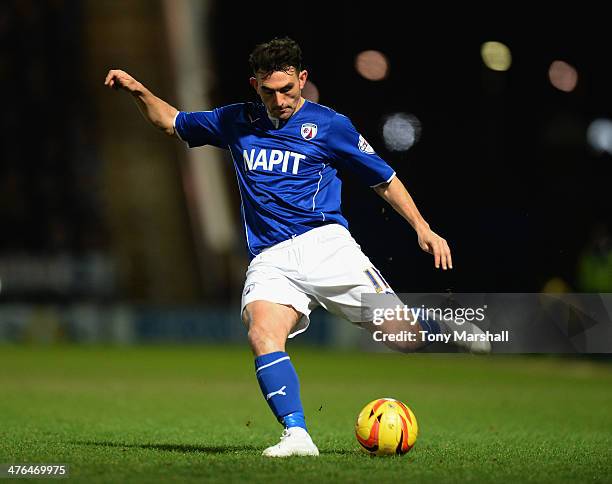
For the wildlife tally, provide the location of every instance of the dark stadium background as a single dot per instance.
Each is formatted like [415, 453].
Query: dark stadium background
[502, 169]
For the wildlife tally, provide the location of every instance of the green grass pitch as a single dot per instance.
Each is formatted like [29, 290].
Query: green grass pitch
[195, 414]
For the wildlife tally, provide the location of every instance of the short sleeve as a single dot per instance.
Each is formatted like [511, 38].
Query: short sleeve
[351, 151]
[200, 128]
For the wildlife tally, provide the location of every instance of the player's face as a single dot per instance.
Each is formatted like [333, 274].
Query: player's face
[281, 91]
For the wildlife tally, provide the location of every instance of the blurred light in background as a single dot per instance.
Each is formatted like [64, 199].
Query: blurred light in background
[563, 76]
[599, 135]
[401, 131]
[311, 92]
[372, 64]
[496, 56]
[556, 285]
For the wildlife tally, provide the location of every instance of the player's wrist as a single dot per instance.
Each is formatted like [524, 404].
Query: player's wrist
[421, 226]
[137, 89]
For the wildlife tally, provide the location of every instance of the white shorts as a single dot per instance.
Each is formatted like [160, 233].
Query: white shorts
[322, 267]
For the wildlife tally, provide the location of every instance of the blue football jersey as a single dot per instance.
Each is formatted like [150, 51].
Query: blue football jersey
[287, 177]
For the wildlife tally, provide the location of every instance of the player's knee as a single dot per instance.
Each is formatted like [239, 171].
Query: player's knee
[256, 312]
[263, 337]
[258, 334]
[268, 325]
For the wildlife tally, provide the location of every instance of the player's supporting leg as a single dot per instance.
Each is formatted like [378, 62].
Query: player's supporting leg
[269, 324]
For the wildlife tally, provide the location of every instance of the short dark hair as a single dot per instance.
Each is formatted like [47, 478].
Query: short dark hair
[276, 55]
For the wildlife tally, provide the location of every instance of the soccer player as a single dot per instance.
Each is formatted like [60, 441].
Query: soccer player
[287, 152]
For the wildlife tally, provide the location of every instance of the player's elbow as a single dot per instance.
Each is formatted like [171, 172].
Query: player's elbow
[169, 130]
[381, 189]
[166, 122]
[164, 125]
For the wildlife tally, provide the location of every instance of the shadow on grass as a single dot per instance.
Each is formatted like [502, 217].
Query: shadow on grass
[206, 449]
[340, 452]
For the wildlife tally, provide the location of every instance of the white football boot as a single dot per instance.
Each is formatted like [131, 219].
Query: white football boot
[477, 346]
[293, 441]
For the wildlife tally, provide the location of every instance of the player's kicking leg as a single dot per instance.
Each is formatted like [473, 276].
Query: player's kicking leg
[345, 279]
[269, 325]
[449, 326]
[428, 326]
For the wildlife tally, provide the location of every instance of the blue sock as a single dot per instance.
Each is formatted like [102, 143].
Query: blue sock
[281, 388]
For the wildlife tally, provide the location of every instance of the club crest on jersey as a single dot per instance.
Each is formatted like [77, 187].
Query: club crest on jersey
[365, 146]
[309, 130]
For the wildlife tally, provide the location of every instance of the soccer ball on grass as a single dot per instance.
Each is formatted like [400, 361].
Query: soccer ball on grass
[386, 427]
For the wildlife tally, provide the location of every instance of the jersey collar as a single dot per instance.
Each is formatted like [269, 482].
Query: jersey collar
[275, 123]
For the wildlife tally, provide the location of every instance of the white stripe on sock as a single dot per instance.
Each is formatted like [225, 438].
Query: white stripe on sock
[273, 363]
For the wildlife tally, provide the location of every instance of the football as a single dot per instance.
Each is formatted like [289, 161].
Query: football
[386, 427]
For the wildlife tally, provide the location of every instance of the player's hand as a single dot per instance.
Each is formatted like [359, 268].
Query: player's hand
[436, 245]
[118, 79]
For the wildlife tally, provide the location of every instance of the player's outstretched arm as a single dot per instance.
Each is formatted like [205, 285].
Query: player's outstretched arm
[397, 196]
[157, 111]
